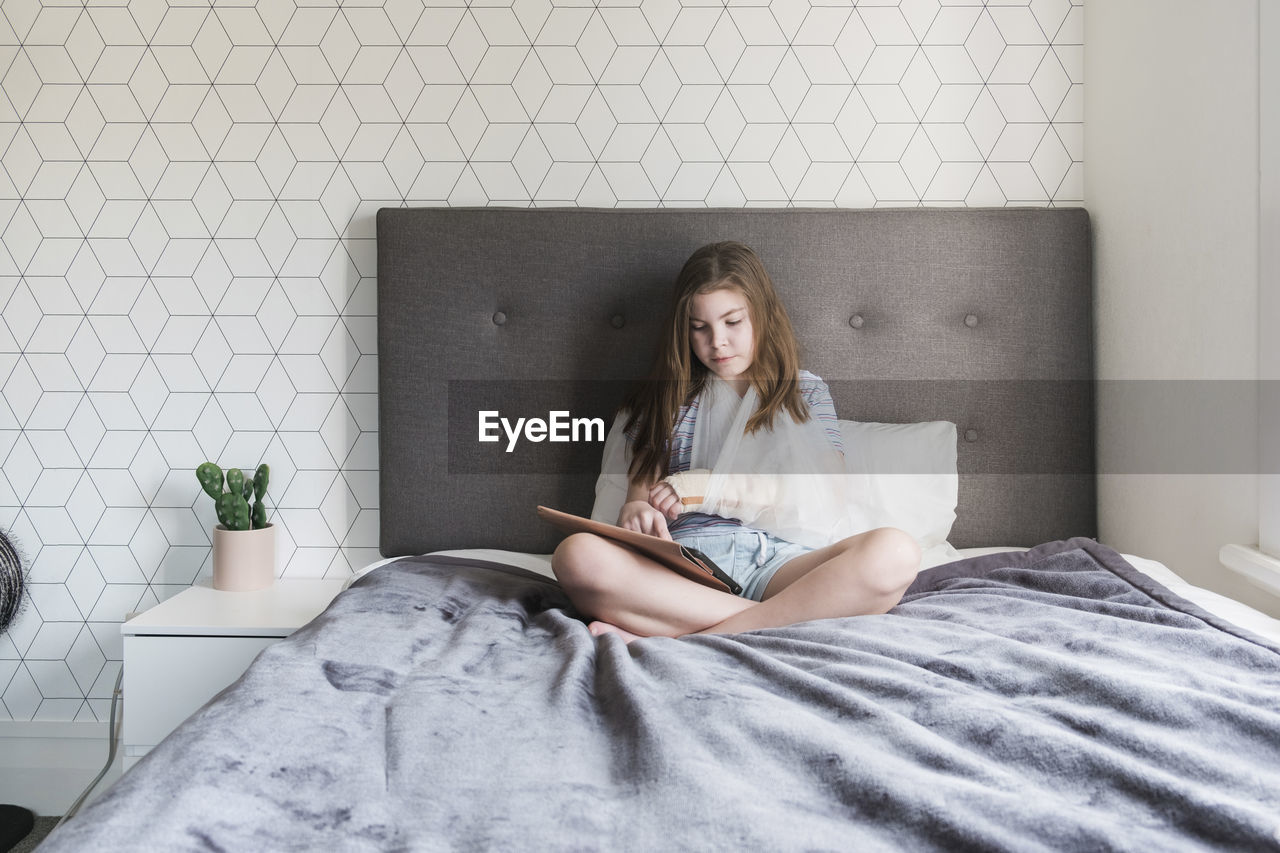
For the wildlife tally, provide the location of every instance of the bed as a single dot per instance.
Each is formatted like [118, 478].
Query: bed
[1034, 689]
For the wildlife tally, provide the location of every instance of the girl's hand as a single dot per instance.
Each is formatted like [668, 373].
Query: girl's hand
[641, 517]
[663, 498]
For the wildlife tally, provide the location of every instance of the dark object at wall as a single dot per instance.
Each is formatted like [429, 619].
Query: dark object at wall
[12, 582]
[15, 821]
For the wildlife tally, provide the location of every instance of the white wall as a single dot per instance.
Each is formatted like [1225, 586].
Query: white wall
[1269, 297]
[1171, 130]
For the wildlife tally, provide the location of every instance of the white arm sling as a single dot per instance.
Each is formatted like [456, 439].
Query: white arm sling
[787, 480]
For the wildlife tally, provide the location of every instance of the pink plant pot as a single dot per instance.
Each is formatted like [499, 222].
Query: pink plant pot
[244, 560]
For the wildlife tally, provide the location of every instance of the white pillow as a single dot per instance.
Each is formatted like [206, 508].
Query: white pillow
[904, 476]
[611, 485]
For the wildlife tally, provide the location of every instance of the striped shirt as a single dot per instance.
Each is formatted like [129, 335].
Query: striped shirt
[821, 408]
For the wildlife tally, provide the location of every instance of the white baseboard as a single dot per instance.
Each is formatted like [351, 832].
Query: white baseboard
[45, 766]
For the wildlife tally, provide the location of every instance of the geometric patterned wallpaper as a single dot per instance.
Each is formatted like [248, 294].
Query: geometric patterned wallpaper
[187, 199]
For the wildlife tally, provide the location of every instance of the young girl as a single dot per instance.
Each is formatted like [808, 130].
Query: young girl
[728, 344]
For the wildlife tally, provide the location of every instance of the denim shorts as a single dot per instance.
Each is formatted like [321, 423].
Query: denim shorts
[750, 557]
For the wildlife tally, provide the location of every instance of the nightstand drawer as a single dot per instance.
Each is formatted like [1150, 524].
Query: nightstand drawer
[179, 654]
[168, 678]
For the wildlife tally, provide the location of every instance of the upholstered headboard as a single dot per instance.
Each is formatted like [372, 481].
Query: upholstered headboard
[980, 317]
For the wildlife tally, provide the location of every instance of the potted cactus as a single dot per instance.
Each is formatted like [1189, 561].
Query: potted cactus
[244, 542]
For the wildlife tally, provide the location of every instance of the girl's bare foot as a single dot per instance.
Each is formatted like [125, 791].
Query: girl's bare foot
[599, 629]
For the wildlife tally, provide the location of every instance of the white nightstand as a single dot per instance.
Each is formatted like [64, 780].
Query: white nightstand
[183, 651]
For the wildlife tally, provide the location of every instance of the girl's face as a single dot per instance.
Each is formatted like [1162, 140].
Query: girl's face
[721, 334]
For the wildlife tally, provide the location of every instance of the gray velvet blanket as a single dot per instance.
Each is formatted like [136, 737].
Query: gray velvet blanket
[1053, 700]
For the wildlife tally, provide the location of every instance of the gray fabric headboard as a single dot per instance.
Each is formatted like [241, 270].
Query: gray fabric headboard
[980, 317]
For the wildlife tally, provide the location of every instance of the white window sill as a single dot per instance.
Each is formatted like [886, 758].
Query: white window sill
[1258, 568]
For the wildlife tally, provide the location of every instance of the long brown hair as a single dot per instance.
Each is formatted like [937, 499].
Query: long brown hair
[677, 376]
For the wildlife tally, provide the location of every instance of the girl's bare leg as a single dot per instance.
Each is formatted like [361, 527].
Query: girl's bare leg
[621, 589]
[599, 629]
[867, 573]
[631, 595]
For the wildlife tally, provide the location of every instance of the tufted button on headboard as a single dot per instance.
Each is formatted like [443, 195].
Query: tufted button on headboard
[979, 317]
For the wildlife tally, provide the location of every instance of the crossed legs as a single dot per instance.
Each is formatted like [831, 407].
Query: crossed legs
[624, 591]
